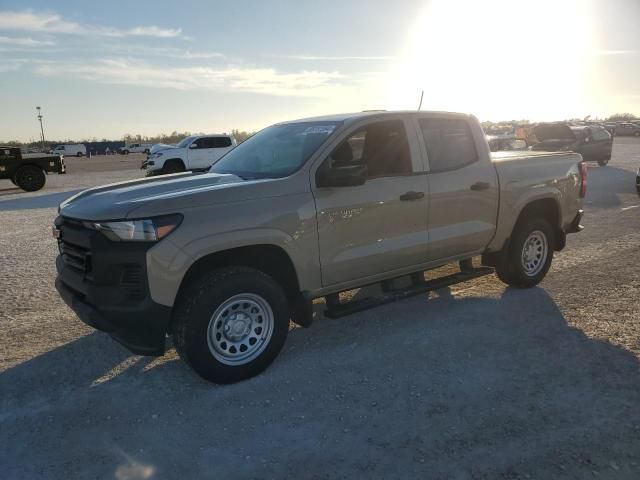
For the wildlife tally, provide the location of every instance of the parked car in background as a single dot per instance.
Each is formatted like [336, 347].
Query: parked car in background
[506, 143]
[28, 171]
[301, 210]
[593, 142]
[195, 153]
[628, 129]
[135, 148]
[73, 150]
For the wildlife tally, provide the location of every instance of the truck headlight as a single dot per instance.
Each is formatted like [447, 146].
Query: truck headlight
[144, 230]
[155, 155]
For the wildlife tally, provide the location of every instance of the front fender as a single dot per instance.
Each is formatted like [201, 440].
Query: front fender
[200, 235]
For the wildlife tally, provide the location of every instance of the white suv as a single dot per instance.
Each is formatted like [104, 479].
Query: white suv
[197, 153]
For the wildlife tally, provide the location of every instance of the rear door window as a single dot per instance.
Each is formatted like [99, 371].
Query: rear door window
[449, 143]
[220, 142]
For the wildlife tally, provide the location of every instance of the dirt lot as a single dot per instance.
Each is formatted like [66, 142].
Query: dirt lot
[476, 381]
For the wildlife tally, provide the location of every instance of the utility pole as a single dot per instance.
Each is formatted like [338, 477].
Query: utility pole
[41, 127]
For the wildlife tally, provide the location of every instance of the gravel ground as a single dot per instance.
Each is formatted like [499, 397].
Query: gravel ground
[475, 381]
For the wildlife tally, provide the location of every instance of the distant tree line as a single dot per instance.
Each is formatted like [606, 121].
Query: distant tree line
[616, 117]
[173, 137]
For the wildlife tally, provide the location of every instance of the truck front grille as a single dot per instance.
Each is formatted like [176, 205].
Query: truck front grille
[74, 244]
[75, 256]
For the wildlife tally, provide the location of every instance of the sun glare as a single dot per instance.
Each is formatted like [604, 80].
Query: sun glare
[498, 59]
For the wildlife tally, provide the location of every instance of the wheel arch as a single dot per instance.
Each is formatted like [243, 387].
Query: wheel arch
[174, 159]
[270, 259]
[547, 208]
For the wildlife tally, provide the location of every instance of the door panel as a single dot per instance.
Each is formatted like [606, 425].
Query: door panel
[200, 157]
[369, 229]
[463, 188]
[462, 219]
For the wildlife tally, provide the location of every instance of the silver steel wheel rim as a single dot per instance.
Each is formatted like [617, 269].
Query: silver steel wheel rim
[240, 329]
[534, 253]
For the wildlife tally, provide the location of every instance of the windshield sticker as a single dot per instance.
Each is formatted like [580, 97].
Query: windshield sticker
[319, 129]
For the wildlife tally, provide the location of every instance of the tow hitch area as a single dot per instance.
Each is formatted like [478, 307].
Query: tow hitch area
[337, 309]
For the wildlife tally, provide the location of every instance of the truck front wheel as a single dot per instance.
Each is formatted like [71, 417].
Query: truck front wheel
[527, 258]
[30, 178]
[230, 324]
[173, 166]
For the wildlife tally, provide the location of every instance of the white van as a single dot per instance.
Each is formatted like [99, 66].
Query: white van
[76, 150]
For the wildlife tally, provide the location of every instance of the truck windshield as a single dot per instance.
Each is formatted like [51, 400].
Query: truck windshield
[185, 141]
[276, 151]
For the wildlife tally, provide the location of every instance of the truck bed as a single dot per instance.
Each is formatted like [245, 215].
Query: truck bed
[550, 175]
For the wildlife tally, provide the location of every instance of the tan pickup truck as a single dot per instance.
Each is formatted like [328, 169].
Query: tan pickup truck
[222, 261]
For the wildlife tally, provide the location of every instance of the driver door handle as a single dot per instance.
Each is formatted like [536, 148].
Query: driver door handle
[480, 186]
[410, 196]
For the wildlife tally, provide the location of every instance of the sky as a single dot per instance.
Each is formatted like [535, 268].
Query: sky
[106, 69]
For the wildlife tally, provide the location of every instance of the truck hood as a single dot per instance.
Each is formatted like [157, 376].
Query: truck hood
[159, 147]
[554, 131]
[153, 196]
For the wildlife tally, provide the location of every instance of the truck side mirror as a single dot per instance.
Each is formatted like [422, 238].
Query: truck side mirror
[193, 145]
[343, 176]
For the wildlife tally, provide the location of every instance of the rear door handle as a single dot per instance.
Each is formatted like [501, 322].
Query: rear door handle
[480, 186]
[410, 196]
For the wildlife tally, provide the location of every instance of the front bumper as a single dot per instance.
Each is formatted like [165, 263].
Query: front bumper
[105, 284]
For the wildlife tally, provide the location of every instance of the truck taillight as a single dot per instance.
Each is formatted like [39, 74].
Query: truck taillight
[583, 179]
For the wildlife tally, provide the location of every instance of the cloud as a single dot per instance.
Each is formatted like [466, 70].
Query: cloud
[337, 58]
[25, 42]
[266, 81]
[52, 23]
[11, 67]
[146, 51]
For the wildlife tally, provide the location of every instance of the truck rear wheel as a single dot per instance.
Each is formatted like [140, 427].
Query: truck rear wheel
[30, 178]
[230, 324]
[527, 258]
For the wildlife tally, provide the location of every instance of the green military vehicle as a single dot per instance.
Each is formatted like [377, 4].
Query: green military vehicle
[28, 171]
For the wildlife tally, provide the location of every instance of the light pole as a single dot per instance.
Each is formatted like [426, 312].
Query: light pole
[41, 127]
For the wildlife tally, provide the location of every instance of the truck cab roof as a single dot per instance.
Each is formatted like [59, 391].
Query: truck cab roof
[355, 116]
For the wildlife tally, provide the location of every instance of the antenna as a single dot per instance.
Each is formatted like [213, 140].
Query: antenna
[421, 97]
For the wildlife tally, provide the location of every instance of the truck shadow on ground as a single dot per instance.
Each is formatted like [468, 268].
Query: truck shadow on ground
[47, 200]
[447, 387]
[605, 184]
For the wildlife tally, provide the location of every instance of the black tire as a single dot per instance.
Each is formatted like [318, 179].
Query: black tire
[30, 178]
[125, 152]
[79, 154]
[146, 151]
[193, 322]
[510, 266]
[603, 162]
[173, 166]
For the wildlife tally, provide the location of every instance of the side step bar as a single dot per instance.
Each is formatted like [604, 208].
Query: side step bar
[337, 309]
